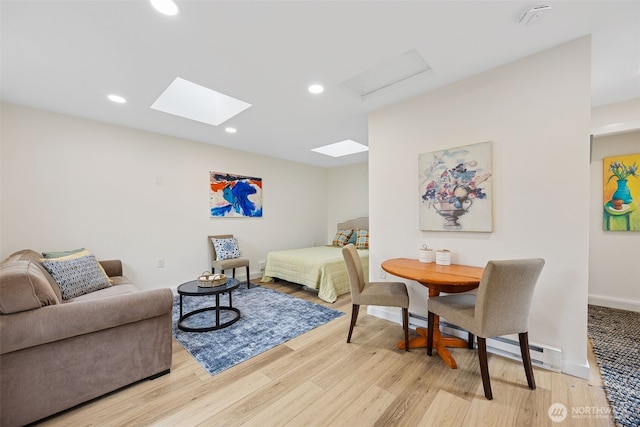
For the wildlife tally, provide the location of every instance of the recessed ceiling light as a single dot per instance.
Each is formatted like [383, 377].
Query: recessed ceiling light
[316, 88]
[166, 7]
[192, 101]
[231, 130]
[117, 98]
[342, 148]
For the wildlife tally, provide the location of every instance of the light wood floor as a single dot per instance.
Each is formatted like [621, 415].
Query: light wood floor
[317, 379]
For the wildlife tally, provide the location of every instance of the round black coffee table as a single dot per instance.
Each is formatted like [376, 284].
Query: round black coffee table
[193, 290]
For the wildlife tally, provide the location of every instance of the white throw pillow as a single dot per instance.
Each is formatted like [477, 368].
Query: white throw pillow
[226, 248]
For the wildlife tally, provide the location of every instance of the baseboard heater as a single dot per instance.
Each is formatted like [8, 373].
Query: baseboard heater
[542, 355]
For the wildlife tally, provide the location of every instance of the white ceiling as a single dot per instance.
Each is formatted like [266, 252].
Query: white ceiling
[67, 56]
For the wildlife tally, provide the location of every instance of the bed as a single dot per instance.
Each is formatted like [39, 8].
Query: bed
[321, 268]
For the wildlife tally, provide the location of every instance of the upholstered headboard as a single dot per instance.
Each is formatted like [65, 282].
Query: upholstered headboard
[362, 222]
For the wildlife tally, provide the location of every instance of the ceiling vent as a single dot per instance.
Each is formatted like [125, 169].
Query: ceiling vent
[387, 74]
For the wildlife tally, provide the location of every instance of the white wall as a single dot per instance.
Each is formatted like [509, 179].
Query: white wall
[537, 113]
[614, 118]
[614, 276]
[69, 182]
[347, 195]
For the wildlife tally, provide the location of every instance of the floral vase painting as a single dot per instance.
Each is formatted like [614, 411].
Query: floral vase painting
[455, 189]
[621, 193]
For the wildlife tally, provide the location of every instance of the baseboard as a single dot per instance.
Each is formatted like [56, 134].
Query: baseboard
[542, 355]
[576, 370]
[621, 304]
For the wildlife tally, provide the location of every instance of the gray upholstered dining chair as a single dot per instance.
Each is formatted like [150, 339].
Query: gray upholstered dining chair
[388, 294]
[500, 307]
[224, 264]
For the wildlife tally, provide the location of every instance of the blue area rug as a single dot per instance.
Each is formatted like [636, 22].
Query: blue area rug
[615, 335]
[268, 318]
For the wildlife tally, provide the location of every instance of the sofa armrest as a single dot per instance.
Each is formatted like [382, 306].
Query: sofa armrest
[113, 267]
[57, 322]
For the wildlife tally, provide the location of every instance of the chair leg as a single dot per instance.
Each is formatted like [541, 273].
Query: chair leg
[354, 316]
[405, 325]
[248, 282]
[484, 367]
[470, 341]
[526, 359]
[430, 320]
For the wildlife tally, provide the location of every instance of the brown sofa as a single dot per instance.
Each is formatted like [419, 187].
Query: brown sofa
[56, 353]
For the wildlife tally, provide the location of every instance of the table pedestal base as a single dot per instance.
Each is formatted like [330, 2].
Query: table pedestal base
[440, 343]
[454, 278]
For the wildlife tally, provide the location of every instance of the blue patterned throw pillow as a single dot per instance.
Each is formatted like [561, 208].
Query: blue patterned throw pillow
[226, 248]
[77, 274]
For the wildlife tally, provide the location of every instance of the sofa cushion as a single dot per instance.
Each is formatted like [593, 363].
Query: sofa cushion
[120, 280]
[33, 256]
[77, 274]
[112, 267]
[108, 292]
[23, 287]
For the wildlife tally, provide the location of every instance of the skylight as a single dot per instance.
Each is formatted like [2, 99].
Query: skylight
[342, 148]
[189, 100]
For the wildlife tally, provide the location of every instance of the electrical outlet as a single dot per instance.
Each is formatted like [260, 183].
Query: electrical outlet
[160, 262]
[261, 264]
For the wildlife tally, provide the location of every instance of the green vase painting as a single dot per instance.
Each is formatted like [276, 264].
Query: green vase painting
[621, 184]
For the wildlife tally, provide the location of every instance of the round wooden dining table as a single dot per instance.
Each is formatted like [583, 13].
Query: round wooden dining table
[437, 278]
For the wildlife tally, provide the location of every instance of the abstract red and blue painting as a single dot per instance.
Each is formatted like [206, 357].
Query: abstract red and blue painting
[234, 195]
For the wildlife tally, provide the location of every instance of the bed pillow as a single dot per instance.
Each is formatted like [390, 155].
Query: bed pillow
[362, 239]
[342, 237]
[352, 239]
[77, 274]
[226, 248]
